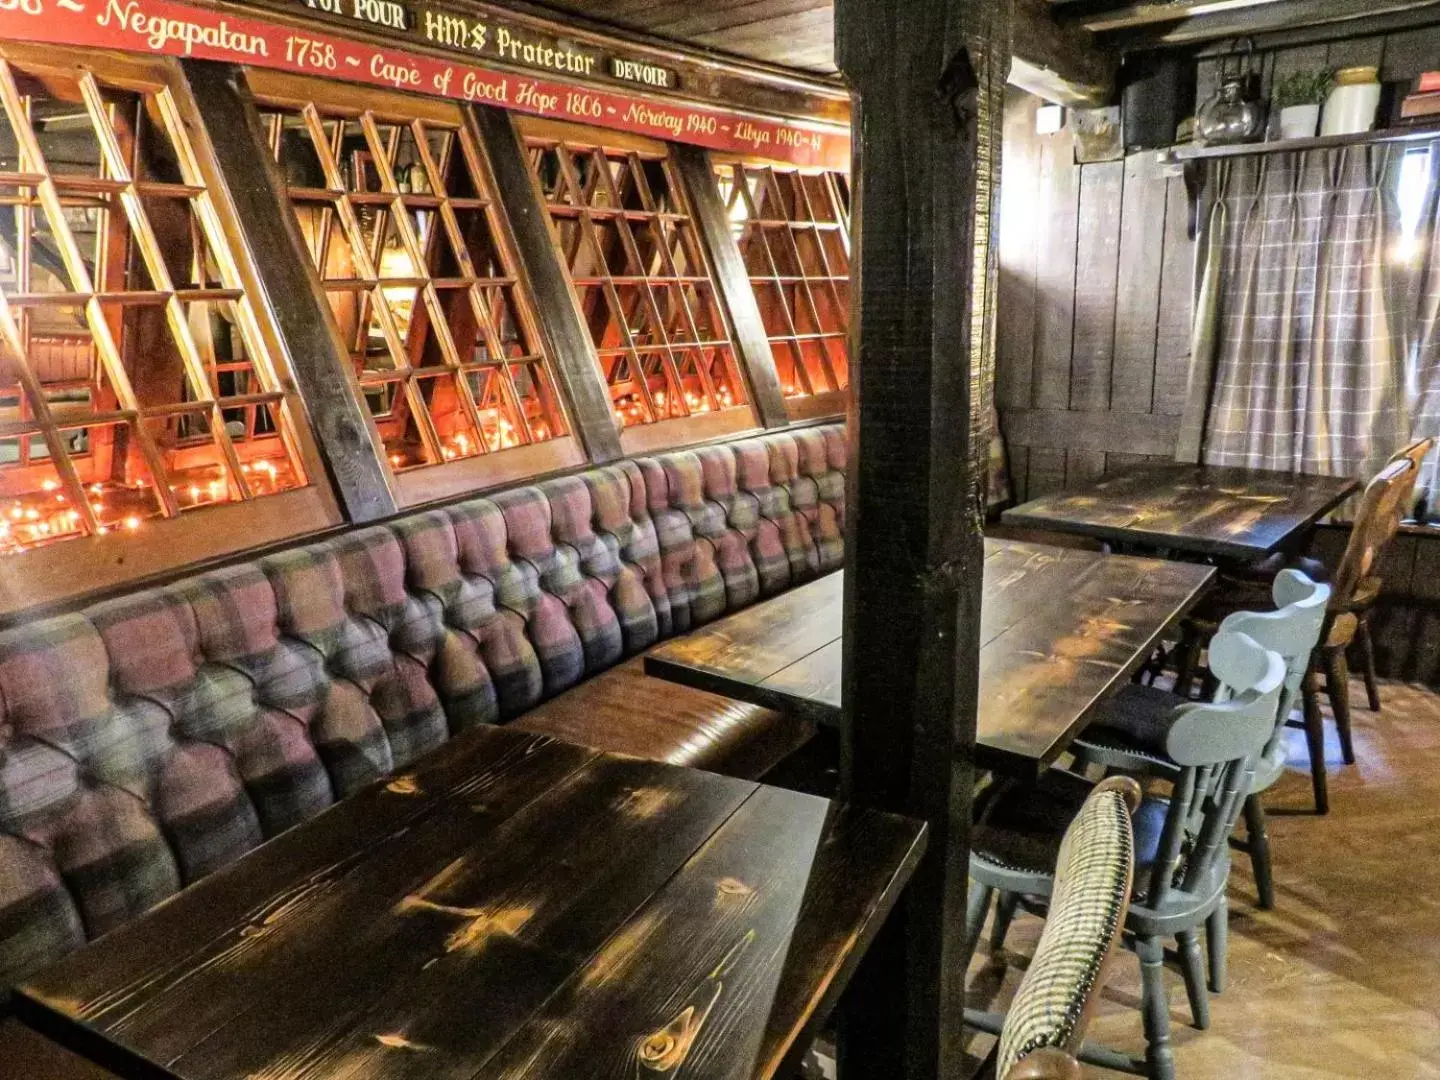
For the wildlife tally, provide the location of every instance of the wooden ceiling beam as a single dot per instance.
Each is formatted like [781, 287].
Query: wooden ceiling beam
[1193, 22]
[1059, 62]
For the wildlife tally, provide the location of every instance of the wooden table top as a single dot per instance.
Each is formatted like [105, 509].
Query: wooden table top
[1233, 513]
[516, 907]
[1061, 629]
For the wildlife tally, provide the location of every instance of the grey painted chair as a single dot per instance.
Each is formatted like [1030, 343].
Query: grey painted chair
[1133, 725]
[1182, 854]
[1292, 631]
[1094, 874]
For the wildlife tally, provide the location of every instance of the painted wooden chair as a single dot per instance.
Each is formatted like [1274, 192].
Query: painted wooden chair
[1183, 858]
[1355, 587]
[1094, 874]
[1367, 591]
[1134, 724]
[1378, 516]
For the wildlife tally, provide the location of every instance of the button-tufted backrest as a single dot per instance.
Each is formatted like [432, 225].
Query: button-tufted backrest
[147, 741]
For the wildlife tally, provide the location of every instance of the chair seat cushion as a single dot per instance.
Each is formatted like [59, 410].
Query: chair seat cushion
[1019, 826]
[626, 711]
[1266, 569]
[1135, 718]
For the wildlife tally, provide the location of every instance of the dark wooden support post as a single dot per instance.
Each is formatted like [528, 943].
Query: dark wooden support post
[571, 348]
[348, 442]
[733, 282]
[927, 81]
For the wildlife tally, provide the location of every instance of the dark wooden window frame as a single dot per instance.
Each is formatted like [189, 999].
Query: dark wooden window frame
[807, 306]
[449, 470]
[704, 419]
[188, 523]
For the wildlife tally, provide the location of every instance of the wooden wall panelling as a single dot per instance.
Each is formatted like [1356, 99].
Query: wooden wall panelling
[1046, 472]
[1018, 457]
[1355, 52]
[1056, 210]
[1096, 430]
[1097, 251]
[1137, 297]
[1409, 54]
[1018, 243]
[1396, 608]
[1083, 466]
[346, 436]
[732, 283]
[1207, 78]
[576, 364]
[1177, 301]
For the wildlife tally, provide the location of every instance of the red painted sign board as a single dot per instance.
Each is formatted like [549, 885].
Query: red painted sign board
[173, 29]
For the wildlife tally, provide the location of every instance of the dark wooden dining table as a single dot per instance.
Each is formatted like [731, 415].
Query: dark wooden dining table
[516, 907]
[1240, 515]
[1061, 629]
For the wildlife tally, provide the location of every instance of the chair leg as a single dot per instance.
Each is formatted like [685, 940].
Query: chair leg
[1315, 739]
[1257, 840]
[1367, 661]
[976, 905]
[1192, 966]
[1337, 686]
[1155, 1009]
[1217, 941]
[1188, 661]
[1004, 914]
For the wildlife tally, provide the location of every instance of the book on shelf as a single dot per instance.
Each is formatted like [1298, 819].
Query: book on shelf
[1428, 82]
[1420, 106]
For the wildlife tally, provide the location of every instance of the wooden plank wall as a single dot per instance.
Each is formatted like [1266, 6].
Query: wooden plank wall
[1093, 332]
[1093, 337]
[1096, 281]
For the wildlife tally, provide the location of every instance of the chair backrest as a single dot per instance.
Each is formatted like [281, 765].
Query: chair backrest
[1375, 523]
[1293, 630]
[1047, 1019]
[1416, 453]
[1216, 744]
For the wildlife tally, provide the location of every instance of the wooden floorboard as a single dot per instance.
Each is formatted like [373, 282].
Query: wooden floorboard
[1342, 979]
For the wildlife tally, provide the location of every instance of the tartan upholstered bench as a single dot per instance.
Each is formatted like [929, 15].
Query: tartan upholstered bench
[148, 740]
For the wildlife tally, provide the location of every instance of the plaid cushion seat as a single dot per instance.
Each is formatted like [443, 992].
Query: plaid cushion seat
[147, 741]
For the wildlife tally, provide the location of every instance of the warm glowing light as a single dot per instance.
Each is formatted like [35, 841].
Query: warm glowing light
[132, 523]
[396, 460]
[49, 485]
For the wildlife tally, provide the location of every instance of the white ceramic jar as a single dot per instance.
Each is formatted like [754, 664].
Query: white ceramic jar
[1351, 106]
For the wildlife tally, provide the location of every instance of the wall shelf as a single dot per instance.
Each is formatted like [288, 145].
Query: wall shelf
[1410, 133]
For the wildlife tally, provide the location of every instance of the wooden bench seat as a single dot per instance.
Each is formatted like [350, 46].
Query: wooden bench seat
[627, 712]
[151, 739]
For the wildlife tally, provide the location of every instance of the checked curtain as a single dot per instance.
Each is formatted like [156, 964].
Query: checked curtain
[1307, 327]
